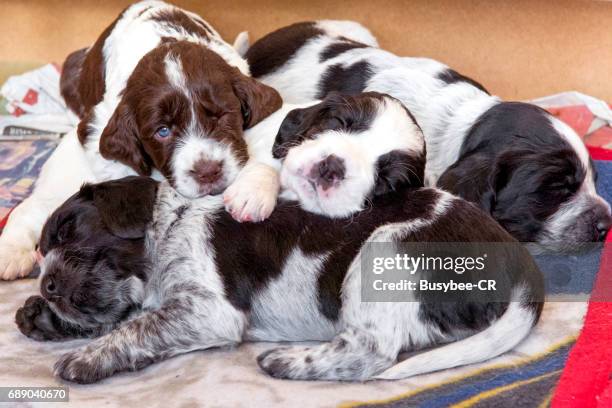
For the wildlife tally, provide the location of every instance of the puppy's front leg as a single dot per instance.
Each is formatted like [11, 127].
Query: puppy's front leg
[193, 322]
[61, 176]
[252, 196]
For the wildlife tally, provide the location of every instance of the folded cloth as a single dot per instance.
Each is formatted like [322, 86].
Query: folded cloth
[590, 117]
[35, 106]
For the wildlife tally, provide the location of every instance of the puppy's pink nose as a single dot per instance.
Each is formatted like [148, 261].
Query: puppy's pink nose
[207, 171]
[328, 171]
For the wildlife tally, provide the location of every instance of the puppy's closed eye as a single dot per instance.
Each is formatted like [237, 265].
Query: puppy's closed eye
[336, 122]
[65, 230]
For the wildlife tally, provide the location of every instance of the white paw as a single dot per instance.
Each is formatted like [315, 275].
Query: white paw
[252, 196]
[16, 259]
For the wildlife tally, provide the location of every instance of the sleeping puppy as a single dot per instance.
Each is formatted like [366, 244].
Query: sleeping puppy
[338, 155]
[529, 170]
[152, 275]
[159, 93]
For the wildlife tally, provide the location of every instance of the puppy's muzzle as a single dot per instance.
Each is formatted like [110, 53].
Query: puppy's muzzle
[328, 172]
[58, 281]
[207, 172]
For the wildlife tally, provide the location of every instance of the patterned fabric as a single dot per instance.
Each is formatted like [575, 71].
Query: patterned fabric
[581, 120]
[20, 163]
[525, 384]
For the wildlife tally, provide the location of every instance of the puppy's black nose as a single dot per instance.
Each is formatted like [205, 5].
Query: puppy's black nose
[328, 171]
[603, 225]
[207, 171]
[48, 287]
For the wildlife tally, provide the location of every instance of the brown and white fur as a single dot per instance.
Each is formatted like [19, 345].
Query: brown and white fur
[159, 93]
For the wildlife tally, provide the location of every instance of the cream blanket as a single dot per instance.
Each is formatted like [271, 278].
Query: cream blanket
[228, 377]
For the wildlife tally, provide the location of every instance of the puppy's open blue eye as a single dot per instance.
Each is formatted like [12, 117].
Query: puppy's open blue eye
[163, 132]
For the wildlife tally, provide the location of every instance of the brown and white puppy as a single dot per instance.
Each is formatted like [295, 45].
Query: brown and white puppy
[175, 98]
[159, 93]
[182, 113]
[334, 156]
[335, 160]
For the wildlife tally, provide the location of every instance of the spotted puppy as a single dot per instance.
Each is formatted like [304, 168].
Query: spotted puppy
[159, 93]
[337, 156]
[152, 275]
[529, 170]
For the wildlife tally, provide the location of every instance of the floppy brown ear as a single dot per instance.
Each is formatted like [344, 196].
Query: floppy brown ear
[83, 130]
[69, 81]
[119, 141]
[257, 100]
[125, 205]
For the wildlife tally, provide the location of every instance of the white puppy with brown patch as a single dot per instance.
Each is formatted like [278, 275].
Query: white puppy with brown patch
[337, 155]
[160, 94]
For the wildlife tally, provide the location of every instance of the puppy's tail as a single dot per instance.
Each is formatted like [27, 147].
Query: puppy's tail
[348, 29]
[501, 336]
[242, 43]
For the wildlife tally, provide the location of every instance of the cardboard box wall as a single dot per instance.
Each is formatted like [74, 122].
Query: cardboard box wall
[518, 49]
